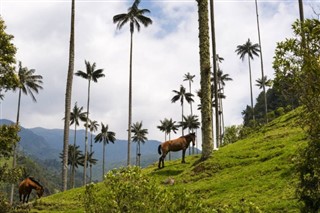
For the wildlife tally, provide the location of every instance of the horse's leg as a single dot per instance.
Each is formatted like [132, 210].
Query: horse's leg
[183, 154]
[28, 197]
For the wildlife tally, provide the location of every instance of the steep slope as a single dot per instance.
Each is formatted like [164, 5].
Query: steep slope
[258, 169]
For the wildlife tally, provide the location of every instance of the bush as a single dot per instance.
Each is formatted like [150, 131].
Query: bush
[128, 190]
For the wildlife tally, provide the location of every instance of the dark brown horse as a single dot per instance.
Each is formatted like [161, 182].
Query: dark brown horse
[178, 144]
[26, 186]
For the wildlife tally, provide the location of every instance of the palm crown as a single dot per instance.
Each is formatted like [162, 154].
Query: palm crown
[135, 16]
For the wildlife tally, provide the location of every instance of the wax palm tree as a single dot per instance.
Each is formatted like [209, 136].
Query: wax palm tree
[205, 84]
[188, 77]
[91, 74]
[182, 95]
[90, 159]
[93, 127]
[29, 83]
[68, 101]
[105, 136]
[139, 136]
[261, 63]
[251, 50]
[167, 126]
[75, 116]
[75, 159]
[191, 123]
[134, 17]
[264, 82]
[222, 78]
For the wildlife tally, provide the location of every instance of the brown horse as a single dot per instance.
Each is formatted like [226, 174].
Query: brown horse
[26, 186]
[181, 143]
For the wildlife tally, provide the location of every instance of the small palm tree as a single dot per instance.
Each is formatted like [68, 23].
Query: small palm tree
[91, 74]
[190, 122]
[93, 127]
[75, 159]
[188, 77]
[134, 17]
[167, 126]
[251, 50]
[105, 136]
[139, 136]
[182, 95]
[75, 116]
[263, 82]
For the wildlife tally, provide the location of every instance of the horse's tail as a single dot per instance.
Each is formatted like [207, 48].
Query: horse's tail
[159, 149]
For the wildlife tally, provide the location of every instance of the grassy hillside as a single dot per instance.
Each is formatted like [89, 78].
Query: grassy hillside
[258, 169]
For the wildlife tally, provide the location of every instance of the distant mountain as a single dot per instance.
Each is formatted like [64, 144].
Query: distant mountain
[46, 144]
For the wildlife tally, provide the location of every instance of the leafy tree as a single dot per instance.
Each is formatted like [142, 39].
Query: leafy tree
[8, 78]
[105, 136]
[75, 116]
[139, 136]
[205, 84]
[8, 139]
[68, 101]
[182, 95]
[251, 50]
[91, 74]
[297, 61]
[135, 17]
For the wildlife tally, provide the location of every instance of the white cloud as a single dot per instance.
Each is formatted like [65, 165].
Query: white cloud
[163, 53]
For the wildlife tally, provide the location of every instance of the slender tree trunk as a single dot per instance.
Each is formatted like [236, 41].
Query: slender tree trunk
[86, 138]
[68, 101]
[190, 101]
[250, 77]
[14, 160]
[215, 72]
[182, 132]
[72, 177]
[130, 100]
[103, 160]
[90, 153]
[206, 103]
[261, 62]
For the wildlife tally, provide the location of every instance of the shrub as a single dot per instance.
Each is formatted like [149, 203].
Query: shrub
[128, 190]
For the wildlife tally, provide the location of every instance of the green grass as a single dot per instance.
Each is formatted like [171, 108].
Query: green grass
[258, 169]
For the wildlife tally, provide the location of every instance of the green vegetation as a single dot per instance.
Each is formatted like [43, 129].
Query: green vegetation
[251, 175]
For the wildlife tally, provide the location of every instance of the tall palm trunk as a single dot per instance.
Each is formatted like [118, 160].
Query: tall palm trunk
[72, 177]
[261, 62]
[68, 101]
[215, 72]
[90, 153]
[86, 138]
[130, 99]
[14, 160]
[206, 103]
[250, 77]
[104, 156]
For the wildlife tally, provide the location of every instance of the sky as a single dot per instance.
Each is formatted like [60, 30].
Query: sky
[162, 54]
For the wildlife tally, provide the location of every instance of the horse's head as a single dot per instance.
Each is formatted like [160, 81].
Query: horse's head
[40, 192]
[193, 138]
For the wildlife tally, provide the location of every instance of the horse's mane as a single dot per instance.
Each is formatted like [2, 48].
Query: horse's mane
[189, 135]
[34, 180]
